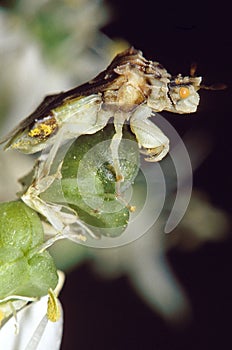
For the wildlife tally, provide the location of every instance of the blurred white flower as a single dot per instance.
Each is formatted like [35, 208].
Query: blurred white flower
[14, 168]
[144, 262]
[202, 223]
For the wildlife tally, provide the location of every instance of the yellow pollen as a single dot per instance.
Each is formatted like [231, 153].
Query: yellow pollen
[43, 130]
[53, 310]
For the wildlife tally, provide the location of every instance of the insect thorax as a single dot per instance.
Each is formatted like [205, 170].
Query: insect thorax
[133, 85]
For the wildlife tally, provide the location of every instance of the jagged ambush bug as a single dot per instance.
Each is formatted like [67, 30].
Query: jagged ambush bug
[130, 91]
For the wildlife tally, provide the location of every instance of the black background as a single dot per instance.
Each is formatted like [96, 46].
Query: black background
[109, 315]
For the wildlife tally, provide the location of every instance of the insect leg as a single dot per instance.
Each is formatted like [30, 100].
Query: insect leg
[119, 119]
[152, 140]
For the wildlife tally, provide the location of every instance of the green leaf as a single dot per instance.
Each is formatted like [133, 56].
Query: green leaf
[88, 182]
[23, 269]
[41, 276]
[20, 226]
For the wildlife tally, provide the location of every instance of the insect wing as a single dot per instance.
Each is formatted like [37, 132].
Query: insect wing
[38, 130]
[27, 122]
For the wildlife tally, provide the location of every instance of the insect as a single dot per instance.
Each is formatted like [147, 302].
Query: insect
[130, 90]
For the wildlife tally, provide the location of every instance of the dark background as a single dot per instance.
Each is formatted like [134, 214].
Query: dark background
[112, 316]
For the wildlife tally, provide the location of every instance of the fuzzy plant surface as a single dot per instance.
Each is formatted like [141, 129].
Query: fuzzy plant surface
[88, 182]
[24, 270]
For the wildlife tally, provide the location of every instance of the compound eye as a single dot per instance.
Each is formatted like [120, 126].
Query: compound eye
[184, 92]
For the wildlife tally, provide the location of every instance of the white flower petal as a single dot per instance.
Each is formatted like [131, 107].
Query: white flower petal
[35, 331]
